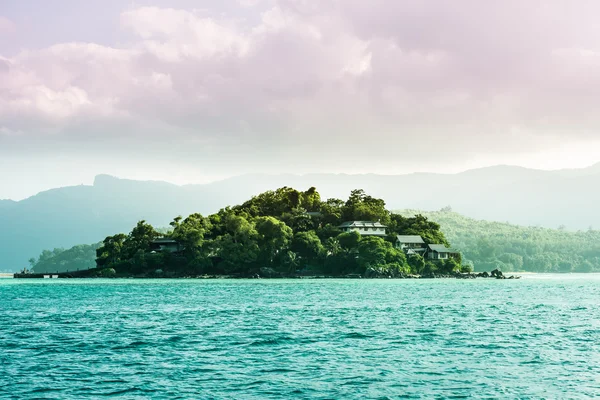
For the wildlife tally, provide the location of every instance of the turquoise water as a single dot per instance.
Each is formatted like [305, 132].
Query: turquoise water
[538, 337]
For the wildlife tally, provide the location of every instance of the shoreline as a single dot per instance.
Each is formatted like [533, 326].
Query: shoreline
[94, 274]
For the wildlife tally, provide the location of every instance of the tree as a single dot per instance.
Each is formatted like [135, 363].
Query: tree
[140, 238]
[332, 246]
[377, 253]
[111, 250]
[331, 212]
[416, 263]
[238, 247]
[274, 236]
[416, 225]
[308, 246]
[311, 199]
[349, 240]
[449, 266]
[189, 233]
[298, 220]
[362, 207]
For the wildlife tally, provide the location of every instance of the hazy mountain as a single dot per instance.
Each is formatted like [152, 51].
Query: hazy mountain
[4, 204]
[86, 214]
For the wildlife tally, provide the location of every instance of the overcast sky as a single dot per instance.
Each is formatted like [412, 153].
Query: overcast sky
[193, 91]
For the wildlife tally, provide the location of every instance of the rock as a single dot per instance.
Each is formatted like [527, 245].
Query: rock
[353, 276]
[496, 273]
[269, 273]
[370, 273]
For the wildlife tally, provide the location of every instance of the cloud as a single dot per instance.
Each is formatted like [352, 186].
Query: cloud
[7, 27]
[401, 83]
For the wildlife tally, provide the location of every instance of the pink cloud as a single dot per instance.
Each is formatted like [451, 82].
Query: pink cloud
[7, 27]
[343, 73]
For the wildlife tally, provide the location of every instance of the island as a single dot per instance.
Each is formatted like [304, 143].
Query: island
[285, 233]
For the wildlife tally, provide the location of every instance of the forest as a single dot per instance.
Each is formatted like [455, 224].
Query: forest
[278, 233]
[489, 245]
[80, 257]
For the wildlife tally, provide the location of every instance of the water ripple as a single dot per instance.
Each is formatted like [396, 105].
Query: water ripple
[381, 339]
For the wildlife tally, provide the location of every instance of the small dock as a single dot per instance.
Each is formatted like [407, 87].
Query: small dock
[56, 275]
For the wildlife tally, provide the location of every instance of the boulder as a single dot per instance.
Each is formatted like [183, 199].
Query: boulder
[269, 273]
[496, 273]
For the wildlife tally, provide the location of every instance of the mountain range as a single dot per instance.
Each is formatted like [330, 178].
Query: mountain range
[67, 216]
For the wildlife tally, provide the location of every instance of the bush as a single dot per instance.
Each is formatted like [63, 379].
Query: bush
[107, 273]
[466, 268]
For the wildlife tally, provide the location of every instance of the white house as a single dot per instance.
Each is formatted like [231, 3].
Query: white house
[365, 228]
[411, 244]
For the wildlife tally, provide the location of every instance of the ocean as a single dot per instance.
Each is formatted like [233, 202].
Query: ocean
[537, 337]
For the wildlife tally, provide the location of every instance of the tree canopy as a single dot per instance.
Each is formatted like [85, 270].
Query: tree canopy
[300, 241]
[284, 231]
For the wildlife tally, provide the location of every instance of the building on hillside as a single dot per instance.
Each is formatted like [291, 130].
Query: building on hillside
[411, 244]
[440, 252]
[414, 244]
[365, 228]
[165, 245]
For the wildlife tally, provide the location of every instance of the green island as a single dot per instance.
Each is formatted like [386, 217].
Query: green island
[286, 233]
[280, 233]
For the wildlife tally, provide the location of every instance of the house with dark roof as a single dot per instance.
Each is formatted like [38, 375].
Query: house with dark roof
[365, 228]
[440, 252]
[411, 244]
[414, 244]
[165, 245]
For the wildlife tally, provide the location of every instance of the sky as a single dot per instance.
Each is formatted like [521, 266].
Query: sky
[195, 91]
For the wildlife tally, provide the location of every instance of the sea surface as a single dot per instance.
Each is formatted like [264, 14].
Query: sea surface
[537, 337]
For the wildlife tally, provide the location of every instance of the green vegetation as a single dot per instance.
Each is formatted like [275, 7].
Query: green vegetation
[277, 233]
[274, 232]
[490, 245]
[77, 258]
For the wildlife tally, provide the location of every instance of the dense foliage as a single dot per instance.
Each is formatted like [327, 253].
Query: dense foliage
[277, 233]
[489, 245]
[77, 258]
[273, 230]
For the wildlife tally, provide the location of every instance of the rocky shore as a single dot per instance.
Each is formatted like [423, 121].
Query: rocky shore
[268, 273]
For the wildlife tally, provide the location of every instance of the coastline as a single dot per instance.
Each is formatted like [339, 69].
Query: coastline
[95, 274]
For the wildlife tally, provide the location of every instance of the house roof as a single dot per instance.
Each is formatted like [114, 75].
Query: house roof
[440, 248]
[362, 224]
[410, 239]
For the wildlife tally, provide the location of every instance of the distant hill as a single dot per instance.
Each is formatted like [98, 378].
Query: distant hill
[4, 204]
[78, 258]
[86, 214]
[490, 245]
